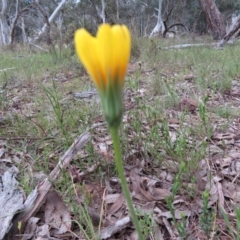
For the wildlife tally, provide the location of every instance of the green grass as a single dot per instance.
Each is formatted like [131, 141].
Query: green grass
[42, 117]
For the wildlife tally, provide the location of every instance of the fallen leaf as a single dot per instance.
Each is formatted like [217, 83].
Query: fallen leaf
[43, 230]
[57, 214]
[223, 138]
[115, 228]
[189, 77]
[188, 104]
[177, 213]
[111, 198]
[117, 205]
[158, 193]
[30, 228]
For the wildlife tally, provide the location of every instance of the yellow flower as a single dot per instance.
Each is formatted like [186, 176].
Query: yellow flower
[106, 57]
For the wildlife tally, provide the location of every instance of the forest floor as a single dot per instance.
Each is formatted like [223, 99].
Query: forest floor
[180, 141]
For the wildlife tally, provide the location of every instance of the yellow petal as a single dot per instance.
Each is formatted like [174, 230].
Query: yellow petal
[121, 51]
[86, 48]
[105, 46]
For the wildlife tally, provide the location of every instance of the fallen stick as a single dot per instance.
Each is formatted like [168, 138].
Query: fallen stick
[188, 45]
[36, 46]
[11, 201]
[115, 228]
[37, 197]
[2, 70]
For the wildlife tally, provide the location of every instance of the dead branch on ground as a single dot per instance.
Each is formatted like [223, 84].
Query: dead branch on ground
[37, 196]
[188, 45]
[6, 69]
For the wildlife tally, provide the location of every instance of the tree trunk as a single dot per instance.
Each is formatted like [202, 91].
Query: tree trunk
[214, 18]
[160, 25]
[24, 35]
[100, 12]
[4, 27]
[233, 29]
[103, 11]
[12, 31]
[46, 27]
[7, 27]
[117, 7]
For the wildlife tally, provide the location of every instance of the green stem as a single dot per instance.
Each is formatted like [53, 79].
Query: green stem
[120, 169]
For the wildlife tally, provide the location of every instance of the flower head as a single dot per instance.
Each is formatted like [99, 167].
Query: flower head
[105, 58]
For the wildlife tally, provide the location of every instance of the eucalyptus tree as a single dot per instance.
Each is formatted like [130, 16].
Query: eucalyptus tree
[216, 21]
[214, 18]
[40, 16]
[160, 27]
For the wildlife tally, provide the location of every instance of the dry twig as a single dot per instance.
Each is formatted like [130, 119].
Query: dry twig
[37, 196]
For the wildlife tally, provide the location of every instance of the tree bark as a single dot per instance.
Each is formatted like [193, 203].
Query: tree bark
[103, 16]
[117, 7]
[233, 29]
[24, 35]
[18, 14]
[214, 18]
[14, 22]
[7, 28]
[4, 27]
